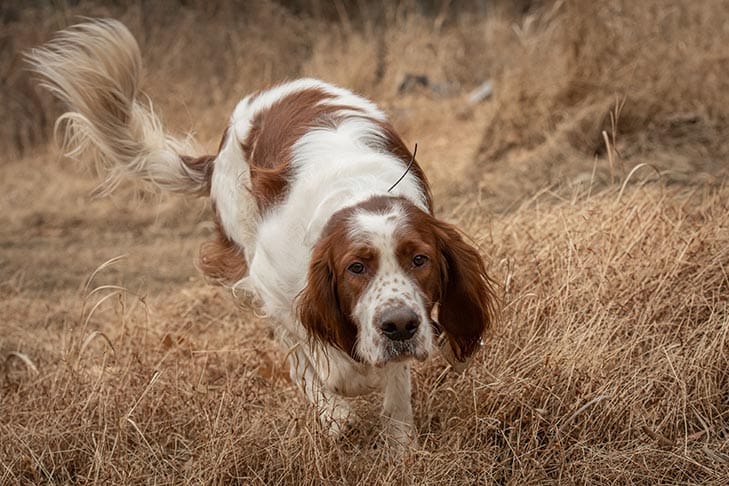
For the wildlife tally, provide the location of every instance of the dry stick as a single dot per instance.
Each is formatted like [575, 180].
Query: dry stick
[407, 169]
[139, 431]
[96, 386]
[35, 457]
[715, 455]
[657, 436]
[96, 306]
[24, 358]
[155, 376]
[592, 402]
[8, 473]
[128, 417]
[106, 287]
[682, 384]
[107, 263]
[633, 171]
[610, 155]
[615, 120]
[98, 454]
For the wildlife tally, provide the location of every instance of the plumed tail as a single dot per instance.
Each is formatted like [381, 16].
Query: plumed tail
[95, 68]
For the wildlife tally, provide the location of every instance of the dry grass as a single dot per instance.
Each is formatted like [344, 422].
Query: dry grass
[611, 363]
[650, 74]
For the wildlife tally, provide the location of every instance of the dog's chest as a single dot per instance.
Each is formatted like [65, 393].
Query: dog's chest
[348, 378]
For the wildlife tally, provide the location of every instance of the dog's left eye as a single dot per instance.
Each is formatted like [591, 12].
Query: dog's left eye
[419, 260]
[357, 268]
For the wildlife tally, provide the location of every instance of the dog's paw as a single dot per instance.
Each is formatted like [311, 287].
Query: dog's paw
[336, 418]
[401, 441]
[399, 446]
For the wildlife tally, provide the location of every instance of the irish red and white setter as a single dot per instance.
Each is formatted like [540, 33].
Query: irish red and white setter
[313, 217]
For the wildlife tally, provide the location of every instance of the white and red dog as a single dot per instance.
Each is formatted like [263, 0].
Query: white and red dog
[313, 216]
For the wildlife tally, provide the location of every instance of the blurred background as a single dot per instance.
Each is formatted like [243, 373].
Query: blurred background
[652, 74]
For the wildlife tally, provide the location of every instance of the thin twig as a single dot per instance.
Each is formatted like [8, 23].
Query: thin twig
[412, 160]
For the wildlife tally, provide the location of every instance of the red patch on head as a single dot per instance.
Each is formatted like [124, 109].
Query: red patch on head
[324, 309]
[457, 281]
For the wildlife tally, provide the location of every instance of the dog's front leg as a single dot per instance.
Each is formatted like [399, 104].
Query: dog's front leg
[334, 413]
[398, 409]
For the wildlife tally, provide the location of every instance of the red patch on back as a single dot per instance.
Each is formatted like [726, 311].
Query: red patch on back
[273, 133]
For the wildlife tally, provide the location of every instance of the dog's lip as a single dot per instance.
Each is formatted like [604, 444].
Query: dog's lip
[418, 355]
[395, 359]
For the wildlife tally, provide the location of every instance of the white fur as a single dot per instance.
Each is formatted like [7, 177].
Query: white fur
[231, 184]
[334, 169]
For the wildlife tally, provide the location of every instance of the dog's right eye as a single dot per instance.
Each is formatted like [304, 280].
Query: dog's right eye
[419, 260]
[356, 268]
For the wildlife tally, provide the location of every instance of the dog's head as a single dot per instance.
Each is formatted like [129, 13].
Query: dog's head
[376, 274]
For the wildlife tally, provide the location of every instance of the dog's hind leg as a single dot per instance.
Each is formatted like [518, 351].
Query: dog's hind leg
[226, 257]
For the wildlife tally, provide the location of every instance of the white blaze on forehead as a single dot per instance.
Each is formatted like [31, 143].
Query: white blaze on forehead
[377, 228]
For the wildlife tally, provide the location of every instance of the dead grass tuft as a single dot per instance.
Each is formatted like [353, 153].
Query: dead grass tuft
[651, 75]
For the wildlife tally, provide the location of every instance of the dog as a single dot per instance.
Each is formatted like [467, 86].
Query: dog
[321, 212]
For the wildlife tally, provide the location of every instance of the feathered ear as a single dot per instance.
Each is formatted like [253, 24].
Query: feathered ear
[318, 304]
[468, 302]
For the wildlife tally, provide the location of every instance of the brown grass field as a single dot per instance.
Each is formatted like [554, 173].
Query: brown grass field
[594, 180]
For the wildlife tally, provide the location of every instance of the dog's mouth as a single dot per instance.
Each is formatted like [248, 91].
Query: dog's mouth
[398, 351]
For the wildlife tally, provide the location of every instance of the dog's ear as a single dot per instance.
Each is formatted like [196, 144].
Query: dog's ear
[467, 301]
[318, 304]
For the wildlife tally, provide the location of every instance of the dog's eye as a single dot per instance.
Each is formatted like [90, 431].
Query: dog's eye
[419, 260]
[356, 268]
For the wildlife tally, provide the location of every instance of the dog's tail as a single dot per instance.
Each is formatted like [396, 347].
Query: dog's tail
[95, 68]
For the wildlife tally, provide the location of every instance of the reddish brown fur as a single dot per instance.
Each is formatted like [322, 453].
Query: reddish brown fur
[420, 240]
[221, 259]
[455, 278]
[204, 165]
[323, 309]
[273, 133]
[467, 305]
[267, 149]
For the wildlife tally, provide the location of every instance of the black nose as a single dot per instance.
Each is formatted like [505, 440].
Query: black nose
[399, 323]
